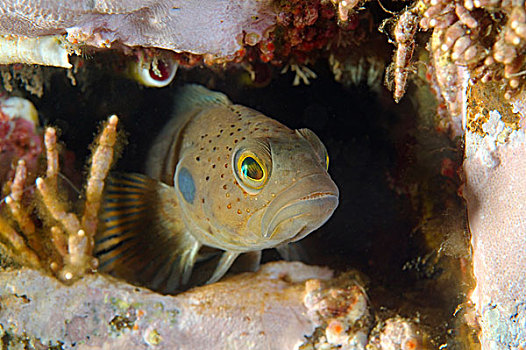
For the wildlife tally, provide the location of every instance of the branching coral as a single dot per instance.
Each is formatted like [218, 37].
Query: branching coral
[65, 240]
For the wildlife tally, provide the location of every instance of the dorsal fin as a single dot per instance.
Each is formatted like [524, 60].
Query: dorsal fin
[190, 96]
[142, 238]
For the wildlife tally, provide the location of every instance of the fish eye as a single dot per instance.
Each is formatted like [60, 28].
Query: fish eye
[251, 170]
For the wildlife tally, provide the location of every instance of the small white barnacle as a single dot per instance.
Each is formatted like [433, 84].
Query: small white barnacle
[158, 71]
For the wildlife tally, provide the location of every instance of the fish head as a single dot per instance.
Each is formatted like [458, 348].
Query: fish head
[299, 193]
[264, 186]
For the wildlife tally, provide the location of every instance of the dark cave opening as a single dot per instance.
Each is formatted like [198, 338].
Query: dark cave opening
[362, 130]
[372, 142]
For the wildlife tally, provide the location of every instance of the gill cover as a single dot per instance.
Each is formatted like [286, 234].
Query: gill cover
[316, 144]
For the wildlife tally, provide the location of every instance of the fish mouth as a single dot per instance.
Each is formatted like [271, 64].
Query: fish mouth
[290, 218]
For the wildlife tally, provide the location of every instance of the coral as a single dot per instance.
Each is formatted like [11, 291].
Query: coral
[290, 33]
[475, 60]
[344, 8]
[31, 77]
[304, 29]
[485, 37]
[285, 305]
[488, 38]
[300, 29]
[304, 32]
[445, 75]
[303, 74]
[68, 254]
[353, 71]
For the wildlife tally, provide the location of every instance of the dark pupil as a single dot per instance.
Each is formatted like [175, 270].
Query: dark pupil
[251, 169]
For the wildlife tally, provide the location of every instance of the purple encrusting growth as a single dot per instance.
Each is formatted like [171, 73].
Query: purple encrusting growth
[215, 27]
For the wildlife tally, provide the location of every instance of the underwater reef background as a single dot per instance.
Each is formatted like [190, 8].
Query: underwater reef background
[419, 103]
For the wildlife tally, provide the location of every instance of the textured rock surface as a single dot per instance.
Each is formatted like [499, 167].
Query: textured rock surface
[495, 168]
[198, 26]
[396, 333]
[258, 311]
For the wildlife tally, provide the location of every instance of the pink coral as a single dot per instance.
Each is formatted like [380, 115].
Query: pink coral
[19, 138]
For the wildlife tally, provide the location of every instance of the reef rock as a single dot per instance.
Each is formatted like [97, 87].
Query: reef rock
[495, 191]
[215, 27]
[263, 310]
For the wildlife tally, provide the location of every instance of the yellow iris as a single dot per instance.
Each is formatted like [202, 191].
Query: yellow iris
[251, 170]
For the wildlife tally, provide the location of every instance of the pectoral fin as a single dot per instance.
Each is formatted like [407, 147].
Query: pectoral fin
[293, 252]
[142, 238]
[227, 259]
[247, 262]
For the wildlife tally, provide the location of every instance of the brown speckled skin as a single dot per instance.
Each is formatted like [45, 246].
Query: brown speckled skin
[224, 214]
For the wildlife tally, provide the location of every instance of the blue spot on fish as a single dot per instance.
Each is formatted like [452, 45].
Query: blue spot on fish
[186, 185]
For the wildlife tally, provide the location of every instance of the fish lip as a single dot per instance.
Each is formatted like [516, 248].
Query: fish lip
[316, 195]
[299, 235]
[328, 196]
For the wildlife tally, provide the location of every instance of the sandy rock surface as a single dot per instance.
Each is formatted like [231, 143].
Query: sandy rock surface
[495, 169]
[264, 310]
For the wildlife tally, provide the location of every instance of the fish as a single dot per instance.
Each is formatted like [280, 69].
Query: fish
[221, 180]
